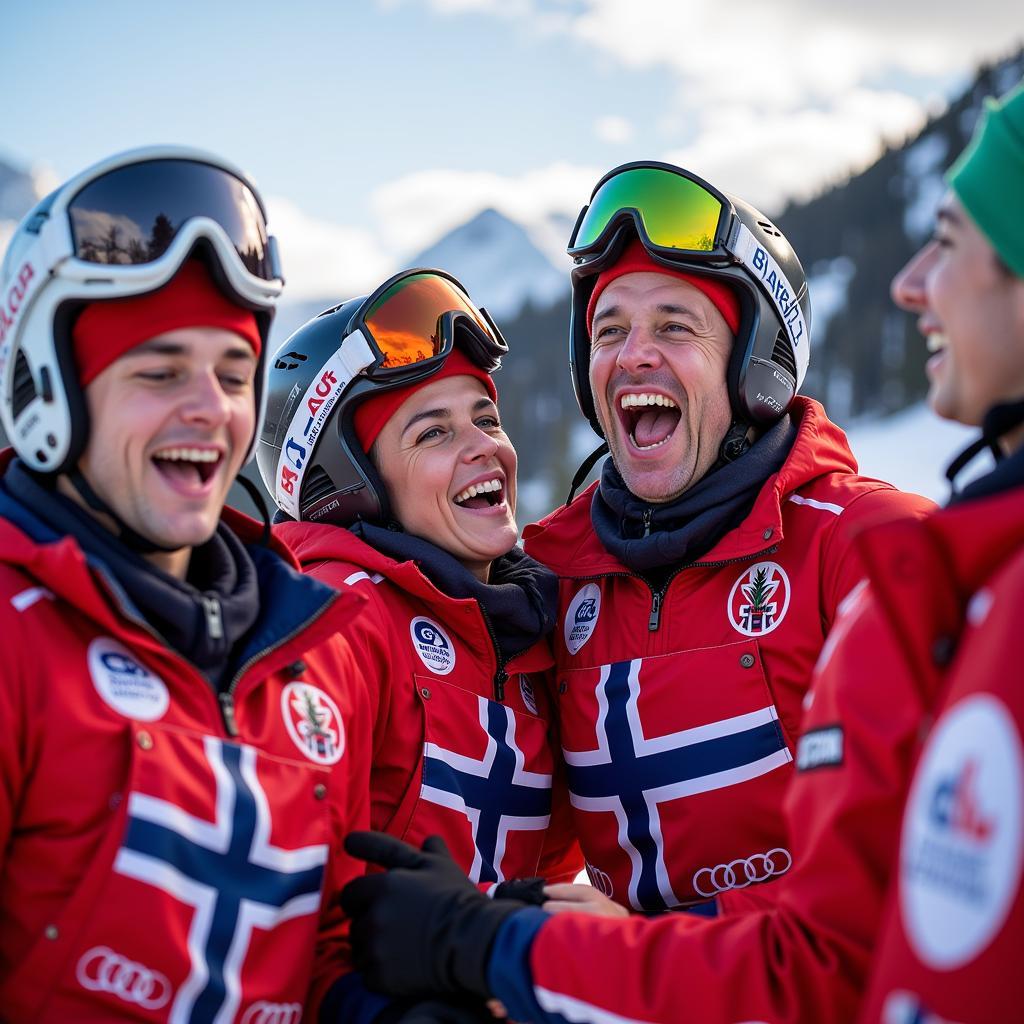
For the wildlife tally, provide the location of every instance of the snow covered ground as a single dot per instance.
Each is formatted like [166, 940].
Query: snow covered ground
[912, 449]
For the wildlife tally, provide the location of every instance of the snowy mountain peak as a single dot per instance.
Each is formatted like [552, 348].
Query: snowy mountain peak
[498, 262]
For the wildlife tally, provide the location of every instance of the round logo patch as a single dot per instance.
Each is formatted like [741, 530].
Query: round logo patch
[433, 645]
[313, 721]
[960, 852]
[526, 689]
[759, 599]
[581, 617]
[124, 683]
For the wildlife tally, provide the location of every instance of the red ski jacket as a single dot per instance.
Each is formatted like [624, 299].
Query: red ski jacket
[954, 918]
[163, 854]
[462, 745]
[679, 708]
[931, 635]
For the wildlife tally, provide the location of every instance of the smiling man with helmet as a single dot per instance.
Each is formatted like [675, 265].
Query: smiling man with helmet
[182, 743]
[700, 576]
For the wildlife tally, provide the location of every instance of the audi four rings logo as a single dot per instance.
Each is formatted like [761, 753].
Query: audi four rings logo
[740, 873]
[273, 1013]
[103, 970]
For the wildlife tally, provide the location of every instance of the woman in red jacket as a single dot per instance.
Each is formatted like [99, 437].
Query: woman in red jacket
[385, 451]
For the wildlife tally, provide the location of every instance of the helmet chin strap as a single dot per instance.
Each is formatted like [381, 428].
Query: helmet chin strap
[131, 540]
[735, 443]
[998, 422]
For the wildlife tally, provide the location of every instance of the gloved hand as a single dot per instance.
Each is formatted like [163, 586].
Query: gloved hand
[528, 890]
[422, 927]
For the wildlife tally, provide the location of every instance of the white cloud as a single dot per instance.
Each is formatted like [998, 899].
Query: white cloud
[770, 157]
[321, 258]
[613, 129]
[415, 210]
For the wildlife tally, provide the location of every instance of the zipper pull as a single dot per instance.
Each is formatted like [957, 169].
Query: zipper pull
[499, 684]
[227, 709]
[655, 620]
[648, 514]
[214, 623]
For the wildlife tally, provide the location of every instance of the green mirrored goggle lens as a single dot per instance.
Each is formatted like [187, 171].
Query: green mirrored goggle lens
[676, 213]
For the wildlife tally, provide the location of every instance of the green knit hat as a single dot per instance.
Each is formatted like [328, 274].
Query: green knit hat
[989, 177]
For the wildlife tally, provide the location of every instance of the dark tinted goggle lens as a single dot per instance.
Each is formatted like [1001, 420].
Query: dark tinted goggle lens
[406, 319]
[676, 212]
[132, 214]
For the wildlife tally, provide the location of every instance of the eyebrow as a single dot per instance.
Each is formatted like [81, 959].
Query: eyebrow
[947, 215]
[665, 307]
[174, 348]
[443, 413]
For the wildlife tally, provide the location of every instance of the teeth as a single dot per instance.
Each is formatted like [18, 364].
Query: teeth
[474, 489]
[635, 401]
[648, 447]
[935, 342]
[188, 455]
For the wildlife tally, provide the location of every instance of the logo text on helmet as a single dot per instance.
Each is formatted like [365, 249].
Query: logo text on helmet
[102, 970]
[743, 871]
[14, 299]
[312, 413]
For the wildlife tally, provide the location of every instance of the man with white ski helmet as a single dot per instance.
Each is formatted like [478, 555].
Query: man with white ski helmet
[181, 733]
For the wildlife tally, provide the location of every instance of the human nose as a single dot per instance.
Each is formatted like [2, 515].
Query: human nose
[479, 444]
[908, 286]
[206, 400]
[639, 351]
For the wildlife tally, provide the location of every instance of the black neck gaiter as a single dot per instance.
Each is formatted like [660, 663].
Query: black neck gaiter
[648, 537]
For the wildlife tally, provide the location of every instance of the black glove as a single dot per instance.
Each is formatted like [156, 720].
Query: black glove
[466, 1010]
[528, 890]
[422, 927]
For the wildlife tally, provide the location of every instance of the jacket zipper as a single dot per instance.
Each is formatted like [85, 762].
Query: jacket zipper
[658, 596]
[500, 676]
[226, 697]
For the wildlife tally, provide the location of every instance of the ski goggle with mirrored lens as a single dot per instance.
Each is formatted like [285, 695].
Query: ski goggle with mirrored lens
[125, 226]
[670, 209]
[400, 334]
[681, 218]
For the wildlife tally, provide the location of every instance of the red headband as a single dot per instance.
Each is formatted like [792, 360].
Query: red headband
[635, 259]
[105, 330]
[373, 414]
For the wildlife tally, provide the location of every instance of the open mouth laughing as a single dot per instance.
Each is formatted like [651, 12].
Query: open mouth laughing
[187, 465]
[487, 493]
[649, 419]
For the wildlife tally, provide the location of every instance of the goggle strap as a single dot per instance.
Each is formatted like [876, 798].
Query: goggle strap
[351, 358]
[762, 265]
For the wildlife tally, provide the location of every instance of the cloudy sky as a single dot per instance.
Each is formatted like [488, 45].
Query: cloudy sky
[372, 126]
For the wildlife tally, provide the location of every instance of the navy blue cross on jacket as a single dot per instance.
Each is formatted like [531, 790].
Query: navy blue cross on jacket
[630, 774]
[226, 869]
[495, 793]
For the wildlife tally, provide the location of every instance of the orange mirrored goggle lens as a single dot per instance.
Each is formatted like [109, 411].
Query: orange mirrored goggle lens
[405, 321]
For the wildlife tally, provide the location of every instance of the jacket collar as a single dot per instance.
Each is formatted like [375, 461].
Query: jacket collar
[565, 541]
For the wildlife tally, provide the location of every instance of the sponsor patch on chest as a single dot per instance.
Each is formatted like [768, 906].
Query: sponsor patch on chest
[759, 599]
[820, 748]
[124, 683]
[962, 842]
[313, 721]
[581, 617]
[433, 645]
